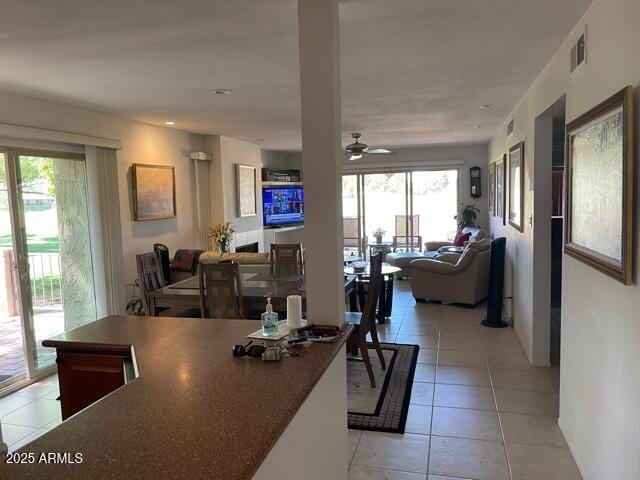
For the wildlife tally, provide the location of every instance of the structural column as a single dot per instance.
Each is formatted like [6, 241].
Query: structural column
[321, 136]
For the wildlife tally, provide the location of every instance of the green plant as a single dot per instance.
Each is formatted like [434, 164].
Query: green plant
[221, 235]
[379, 232]
[467, 215]
[134, 302]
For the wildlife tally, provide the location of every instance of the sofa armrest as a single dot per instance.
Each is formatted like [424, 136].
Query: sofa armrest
[433, 246]
[448, 257]
[433, 266]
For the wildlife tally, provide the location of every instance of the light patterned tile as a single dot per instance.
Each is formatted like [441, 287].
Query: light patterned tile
[465, 458]
[464, 396]
[477, 376]
[541, 463]
[464, 423]
[519, 379]
[390, 451]
[527, 402]
[532, 430]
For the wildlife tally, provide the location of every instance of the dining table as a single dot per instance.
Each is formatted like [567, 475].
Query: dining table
[256, 288]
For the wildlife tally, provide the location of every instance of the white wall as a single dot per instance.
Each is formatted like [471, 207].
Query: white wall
[227, 153]
[600, 351]
[140, 144]
[285, 160]
[435, 157]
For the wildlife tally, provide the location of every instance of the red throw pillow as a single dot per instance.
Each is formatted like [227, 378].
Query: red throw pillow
[461, 238]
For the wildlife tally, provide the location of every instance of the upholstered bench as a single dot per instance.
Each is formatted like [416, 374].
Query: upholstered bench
[402, 260]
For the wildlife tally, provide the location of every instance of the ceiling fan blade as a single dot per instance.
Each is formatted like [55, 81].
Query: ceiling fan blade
[379, 151]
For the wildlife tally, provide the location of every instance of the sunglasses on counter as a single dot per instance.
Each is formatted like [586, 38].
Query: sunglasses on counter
[248, 350]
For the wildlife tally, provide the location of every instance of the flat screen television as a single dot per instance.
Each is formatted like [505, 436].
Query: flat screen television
[282, 205]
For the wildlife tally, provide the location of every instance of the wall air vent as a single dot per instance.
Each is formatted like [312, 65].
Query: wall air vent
[579, 52]
[510, 128]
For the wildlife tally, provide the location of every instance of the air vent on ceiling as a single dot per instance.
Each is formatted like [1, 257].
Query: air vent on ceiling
[579, 52]
[510, 128]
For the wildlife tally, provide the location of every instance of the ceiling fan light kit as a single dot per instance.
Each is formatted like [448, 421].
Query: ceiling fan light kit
[357, 150]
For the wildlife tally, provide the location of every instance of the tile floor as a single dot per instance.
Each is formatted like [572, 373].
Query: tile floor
[478, 409]
[30, 412]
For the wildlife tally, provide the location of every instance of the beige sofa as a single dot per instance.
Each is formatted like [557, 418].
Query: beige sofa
[452, 278]
[248, 262]
[477, 234]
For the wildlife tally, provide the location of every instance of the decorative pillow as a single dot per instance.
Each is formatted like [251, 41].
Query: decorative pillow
[461, 238]
[184, 260]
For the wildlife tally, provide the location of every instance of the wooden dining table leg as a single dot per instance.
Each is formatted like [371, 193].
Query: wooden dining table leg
[353, 299]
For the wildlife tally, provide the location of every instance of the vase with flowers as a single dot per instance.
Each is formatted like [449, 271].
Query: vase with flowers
[378, 233]
[221, 235]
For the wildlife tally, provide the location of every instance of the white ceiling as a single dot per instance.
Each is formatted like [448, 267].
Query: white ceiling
[414, 72]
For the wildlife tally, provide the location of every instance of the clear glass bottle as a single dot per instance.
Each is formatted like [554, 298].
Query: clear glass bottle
[269, 321]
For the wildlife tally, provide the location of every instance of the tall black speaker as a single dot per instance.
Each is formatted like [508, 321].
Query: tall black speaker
[163, 255]
[496, 285]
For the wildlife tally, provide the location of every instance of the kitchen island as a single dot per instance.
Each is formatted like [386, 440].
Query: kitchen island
[195, 411]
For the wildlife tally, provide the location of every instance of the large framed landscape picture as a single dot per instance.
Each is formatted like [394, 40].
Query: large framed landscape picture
[154, 192]
[599, 198]
[492, 189]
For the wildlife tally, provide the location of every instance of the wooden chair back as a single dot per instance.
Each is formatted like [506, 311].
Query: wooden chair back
[150, 277]
[221, 291]
[373, 294]
[286, 258]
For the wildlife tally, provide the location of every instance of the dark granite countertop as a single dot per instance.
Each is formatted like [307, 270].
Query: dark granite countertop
[194, 412]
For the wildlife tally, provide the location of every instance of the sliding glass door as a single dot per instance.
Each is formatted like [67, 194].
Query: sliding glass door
[410, 207]
[52, 248]
[12, 357]
[434, 202]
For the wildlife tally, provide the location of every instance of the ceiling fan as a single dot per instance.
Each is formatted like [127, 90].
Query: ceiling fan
[356, 150]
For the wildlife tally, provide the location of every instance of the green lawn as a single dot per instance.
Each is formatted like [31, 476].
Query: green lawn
[51, 286]
[36, 244]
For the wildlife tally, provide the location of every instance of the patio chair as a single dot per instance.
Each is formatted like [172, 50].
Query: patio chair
[350, 234]
[407, 237]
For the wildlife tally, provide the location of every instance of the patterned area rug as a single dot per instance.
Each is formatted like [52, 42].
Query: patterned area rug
[384, 408]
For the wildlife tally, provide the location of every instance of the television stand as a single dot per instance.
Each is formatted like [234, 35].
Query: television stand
[283, 234]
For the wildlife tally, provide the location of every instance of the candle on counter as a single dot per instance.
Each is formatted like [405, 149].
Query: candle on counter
[294, 311]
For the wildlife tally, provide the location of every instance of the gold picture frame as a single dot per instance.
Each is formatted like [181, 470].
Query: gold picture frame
[153, 192]
[599, 194]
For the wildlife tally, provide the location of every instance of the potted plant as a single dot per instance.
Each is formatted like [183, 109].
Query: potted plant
[378, 233]
[134, 301]
[466, 217]
[221, 235]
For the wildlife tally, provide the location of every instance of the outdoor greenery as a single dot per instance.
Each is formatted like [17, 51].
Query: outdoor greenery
[49, 284]
[36, 244]
[34, 171]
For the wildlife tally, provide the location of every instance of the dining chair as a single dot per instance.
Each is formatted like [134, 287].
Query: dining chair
[286, 258]
[221, 291]
[365, 322]
[150, 277]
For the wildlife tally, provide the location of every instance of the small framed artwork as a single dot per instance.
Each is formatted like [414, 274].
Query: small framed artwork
[500, 189]
[516, 186]
[492, 189]
[154, 192]
[246, 190]
[599, 198]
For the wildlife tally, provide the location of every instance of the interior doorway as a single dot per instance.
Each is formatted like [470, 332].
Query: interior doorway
[548, 221]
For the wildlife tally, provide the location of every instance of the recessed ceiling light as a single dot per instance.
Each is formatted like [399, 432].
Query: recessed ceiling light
[169, 122]
[222, 91]
[487, 105]
[477, 126]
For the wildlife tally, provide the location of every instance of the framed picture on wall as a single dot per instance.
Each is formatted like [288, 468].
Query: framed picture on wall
[246, 190]
[492, 189]
[599, 198]
[500, 189]
[516, 186]
[154, 192]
